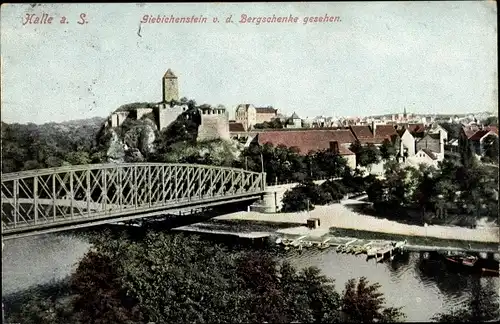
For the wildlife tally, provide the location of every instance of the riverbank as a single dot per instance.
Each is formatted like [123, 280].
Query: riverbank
[339, 216]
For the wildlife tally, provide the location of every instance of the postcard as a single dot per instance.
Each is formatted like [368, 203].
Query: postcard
[249, 162]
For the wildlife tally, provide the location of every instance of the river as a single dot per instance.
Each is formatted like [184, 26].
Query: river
[421, 288]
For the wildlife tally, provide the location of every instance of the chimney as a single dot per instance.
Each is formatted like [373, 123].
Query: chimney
[374, 126]
[334, 146]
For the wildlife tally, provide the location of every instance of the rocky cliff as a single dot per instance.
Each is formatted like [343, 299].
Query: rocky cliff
[140, 140]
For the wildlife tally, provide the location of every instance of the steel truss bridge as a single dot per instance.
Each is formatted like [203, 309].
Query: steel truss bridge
[49, 200]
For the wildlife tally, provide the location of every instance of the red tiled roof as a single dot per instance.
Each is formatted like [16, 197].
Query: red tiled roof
[266, 110]
[430, 153]
[479, 134]
[236, 127]
[470, 131]
[373, 140]
[494, 129]
[362, 132]
[382, 132]
[416, 128]
[306, 141]
[344, 136]
[385, 131]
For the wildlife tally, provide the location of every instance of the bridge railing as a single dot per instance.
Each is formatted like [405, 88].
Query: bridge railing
[44, 196]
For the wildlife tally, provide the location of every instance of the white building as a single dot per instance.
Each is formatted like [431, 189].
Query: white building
[294, 121]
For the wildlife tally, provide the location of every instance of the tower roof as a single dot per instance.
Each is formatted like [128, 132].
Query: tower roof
[169, 74]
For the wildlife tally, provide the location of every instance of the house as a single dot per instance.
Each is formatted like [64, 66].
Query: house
[433, 143]
[376, 134]
[294, 121]
[417, 130]
[436, 128]
[480, 138]
[347, 154]
[311, 140]
[246, 114]
[423, 156]
[249, 115]
[265, 114]
[476, 137]
[407, 143]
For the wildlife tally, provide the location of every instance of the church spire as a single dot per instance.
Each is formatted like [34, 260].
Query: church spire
[404, 113]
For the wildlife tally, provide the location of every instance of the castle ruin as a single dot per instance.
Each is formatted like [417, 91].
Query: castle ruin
[214, 121]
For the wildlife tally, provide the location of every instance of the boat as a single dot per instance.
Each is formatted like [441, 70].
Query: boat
[323, 245]
[474, 264]
[359, 251]
[467, 260]
[308, 244]
[371, 252]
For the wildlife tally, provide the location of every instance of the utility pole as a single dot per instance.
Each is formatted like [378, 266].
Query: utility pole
[261, 163]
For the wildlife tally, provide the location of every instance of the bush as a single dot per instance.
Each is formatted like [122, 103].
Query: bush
[296, 200]
[335, 189]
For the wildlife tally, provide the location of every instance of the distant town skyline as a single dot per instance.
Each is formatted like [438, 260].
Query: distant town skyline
[430, 57]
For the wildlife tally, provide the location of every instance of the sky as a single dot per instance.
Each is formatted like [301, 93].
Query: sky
[378, 58]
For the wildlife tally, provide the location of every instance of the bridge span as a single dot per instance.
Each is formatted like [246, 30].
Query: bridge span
[50, 200]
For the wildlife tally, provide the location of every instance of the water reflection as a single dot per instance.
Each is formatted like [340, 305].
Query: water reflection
[423, 287]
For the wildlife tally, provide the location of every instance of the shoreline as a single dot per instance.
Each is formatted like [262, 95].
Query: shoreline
[338, 217]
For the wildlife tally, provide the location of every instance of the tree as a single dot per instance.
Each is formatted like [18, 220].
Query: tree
[363, 303]
[273, 124]
[165, 278]
[490, 146]
[327, 163]
[334, 188]
[356, 148]
[365, 155]
[298, 199]
[376, 192]
[387, 150]
[99, 296]
[369, 155]
[491, 121]
[78, 158]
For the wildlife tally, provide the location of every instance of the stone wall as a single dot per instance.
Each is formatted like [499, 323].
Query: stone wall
[143, 111]
[167, 115]
[214, 127]
[117, 118]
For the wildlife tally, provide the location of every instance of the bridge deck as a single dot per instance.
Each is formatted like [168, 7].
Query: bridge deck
[86, 195]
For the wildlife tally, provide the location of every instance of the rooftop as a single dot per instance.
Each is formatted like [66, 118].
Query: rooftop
[236, 127]
[266, 110]
[169, 74]
[306, 141]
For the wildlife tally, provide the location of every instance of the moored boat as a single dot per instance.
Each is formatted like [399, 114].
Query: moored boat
[474, 264]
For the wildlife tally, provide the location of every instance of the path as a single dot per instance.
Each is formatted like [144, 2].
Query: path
[338, 215]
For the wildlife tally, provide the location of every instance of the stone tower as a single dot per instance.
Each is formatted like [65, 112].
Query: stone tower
[170, 87]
